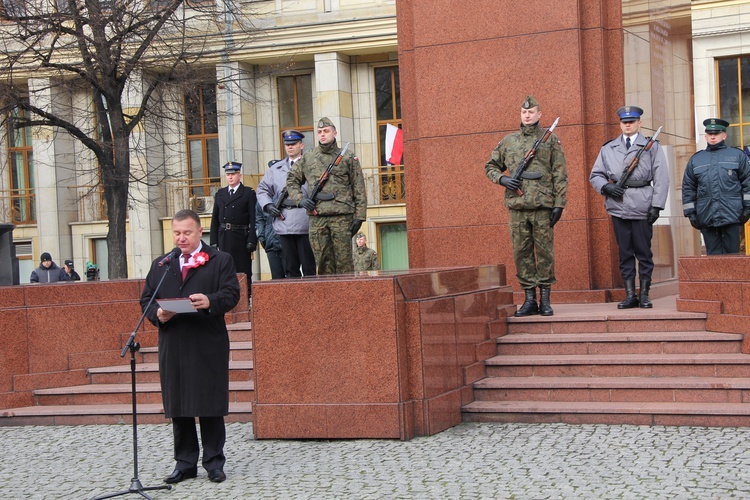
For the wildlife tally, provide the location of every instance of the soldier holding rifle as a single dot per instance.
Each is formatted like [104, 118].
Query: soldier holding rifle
[631, 173]
[535, 200]
[336, 204]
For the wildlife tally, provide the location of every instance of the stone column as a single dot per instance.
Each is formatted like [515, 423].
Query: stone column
[333, 85]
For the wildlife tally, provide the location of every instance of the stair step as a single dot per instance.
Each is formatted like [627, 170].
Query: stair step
[103, 414]
[149, 372]
[238, 351]
[680, 342]
[94, 394]
[620, 365]
[599, 318]
[602, 389]
[633, 413]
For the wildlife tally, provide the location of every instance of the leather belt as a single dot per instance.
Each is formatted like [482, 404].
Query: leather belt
[233, 227]
[637, 184]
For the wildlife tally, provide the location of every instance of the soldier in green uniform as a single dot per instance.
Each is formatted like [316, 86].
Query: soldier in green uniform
[535, 211]
[341, 206]
[365, 258]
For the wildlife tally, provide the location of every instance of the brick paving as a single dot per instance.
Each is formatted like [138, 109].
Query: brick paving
[487, 460]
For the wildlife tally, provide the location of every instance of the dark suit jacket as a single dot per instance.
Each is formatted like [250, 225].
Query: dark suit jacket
[194, 347]
[238, 209]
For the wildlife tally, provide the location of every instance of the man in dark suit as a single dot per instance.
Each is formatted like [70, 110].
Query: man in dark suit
[194, 346]
[233, 221]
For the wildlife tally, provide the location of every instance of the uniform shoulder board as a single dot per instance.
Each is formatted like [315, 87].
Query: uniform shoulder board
[608, 142]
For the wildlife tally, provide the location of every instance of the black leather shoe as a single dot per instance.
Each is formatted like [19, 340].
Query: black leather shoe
[180, 475]
[216, 475]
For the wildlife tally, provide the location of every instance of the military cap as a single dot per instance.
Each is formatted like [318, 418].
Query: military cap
[232, 166]
[360, 235]
[325, 122]
[629, 113]
[292, 136]
[715, 125]
[529, 102]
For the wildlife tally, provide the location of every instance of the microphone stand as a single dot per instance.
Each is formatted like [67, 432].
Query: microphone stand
[133, 347]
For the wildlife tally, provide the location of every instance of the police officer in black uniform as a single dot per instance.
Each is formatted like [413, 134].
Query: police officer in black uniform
[233, 221]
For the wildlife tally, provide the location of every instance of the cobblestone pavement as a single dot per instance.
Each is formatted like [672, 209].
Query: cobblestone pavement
[469, 461]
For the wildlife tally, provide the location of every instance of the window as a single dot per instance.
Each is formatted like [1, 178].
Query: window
[26, 262]
[296, 108]
[734, 98]
[393, 251]
[21, 158]
[202, 139]
[100, 257]
[390, 139]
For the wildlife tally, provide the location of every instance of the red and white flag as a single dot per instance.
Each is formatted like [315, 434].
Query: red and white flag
[394, 144]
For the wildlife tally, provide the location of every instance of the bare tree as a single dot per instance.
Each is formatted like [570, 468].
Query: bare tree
[103, 47]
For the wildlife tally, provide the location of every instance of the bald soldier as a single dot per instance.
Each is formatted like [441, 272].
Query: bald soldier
[340, 208]
[534, 212]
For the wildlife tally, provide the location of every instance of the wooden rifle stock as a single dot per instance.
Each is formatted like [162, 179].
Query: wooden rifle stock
[531, 153]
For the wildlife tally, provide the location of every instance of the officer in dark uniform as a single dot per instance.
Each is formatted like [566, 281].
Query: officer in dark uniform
[716, 190]
[233, 221]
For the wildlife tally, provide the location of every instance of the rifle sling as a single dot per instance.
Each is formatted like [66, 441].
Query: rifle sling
[532, 176]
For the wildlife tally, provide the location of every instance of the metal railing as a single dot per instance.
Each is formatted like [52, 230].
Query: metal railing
[385, 185]
[18, 206]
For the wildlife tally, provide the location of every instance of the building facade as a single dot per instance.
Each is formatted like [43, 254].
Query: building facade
[335, 58]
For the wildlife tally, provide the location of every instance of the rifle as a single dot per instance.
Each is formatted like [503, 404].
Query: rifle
[634, 162]
[531, 153]
[278, 204]
[318, 186]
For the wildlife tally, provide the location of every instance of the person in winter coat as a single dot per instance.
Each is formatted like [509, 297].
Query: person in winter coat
[290, 222]
[193, 346]
[635, 208]
[716, 190]
[270, 242]
[48, 271]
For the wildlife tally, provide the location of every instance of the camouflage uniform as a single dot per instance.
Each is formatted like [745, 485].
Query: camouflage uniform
[530, 231]
[365, 259]
[329, 229]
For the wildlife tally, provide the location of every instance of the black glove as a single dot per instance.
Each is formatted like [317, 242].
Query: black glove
[745, 216]
[250, 247]
[354, 226]
[554, 216]
[653, 214]
[271, 210]
[694, 221]
[307, 204]
[613, 191]
[509, 182]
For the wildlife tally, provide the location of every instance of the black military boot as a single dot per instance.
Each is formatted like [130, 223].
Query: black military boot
[529, 306]
[631, 300]
[645, 301]
[545, 309]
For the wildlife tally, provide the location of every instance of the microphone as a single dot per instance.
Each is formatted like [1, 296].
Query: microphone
[176, 252]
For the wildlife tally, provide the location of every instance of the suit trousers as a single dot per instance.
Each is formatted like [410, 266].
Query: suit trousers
[722, 240]
[296, 252]
[633, 238]
[213, 436]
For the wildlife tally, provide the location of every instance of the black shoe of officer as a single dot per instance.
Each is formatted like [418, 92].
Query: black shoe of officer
[529, 306]
[545, 308]
[645, 302]
[631, 299]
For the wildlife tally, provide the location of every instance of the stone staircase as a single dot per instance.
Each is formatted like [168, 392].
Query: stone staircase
[595, 364]
[106, 398]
